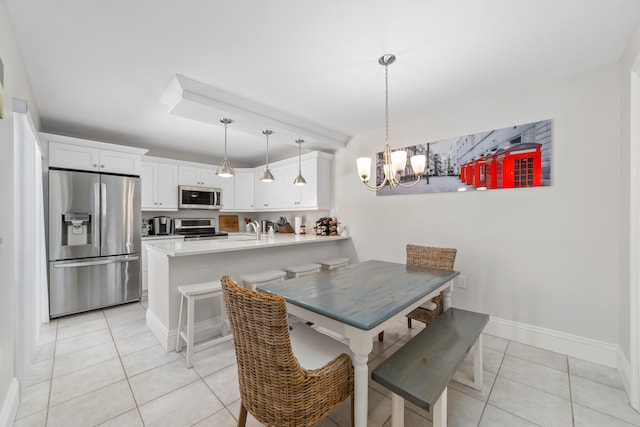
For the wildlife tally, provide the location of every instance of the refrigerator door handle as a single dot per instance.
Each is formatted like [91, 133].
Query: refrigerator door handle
[96, 262]
[103, 211]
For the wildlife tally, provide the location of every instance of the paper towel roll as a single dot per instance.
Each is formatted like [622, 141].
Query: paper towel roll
[297, 222]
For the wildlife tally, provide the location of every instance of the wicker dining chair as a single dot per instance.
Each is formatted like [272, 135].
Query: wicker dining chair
[274, 387]
[433, 257]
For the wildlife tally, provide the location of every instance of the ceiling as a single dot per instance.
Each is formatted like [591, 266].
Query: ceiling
[105, 70]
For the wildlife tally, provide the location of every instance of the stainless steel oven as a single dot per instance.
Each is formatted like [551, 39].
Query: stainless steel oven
[199, 197]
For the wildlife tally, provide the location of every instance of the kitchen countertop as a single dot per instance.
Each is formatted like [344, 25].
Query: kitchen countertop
[236, 242]
[161, 237]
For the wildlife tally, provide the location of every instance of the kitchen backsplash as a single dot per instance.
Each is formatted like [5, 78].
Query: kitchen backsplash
[309, 218]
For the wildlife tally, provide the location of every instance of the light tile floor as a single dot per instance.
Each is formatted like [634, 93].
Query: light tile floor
[106, 368]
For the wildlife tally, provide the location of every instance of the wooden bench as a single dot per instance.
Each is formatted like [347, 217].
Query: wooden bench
[422, 368]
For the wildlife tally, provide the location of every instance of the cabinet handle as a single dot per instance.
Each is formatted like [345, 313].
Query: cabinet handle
[160, 203]
[155, 203]
[95, 165]
[102, 166]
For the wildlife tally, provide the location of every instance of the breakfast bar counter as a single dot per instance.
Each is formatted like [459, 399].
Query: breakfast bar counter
[175, 263]
[237, 242]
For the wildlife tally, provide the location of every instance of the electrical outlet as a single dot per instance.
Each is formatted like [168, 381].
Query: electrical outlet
[462, 281]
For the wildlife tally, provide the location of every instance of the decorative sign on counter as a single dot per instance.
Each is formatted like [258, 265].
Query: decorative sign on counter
[513, 157]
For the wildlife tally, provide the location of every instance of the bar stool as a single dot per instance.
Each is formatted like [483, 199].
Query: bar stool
[302, 270]
[251, 281]
[193, 293]
[333, 263]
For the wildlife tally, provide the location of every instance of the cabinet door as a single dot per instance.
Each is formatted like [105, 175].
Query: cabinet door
[227, 191]
[120, 162]
[262, 191]
[70, 156]
[308, 194]
[290, 192]
[244, 183]
[167, 186]
[148, 176]
[268, 195]
[208, 177]
[189, 175]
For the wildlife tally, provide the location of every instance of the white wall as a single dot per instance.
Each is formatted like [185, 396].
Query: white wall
[15, 85]
[547, 257]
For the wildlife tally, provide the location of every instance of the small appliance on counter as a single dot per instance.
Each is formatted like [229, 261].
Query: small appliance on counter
[198, 229]
[161, 225]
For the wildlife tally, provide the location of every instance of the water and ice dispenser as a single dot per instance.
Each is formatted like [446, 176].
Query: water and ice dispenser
[78, 229]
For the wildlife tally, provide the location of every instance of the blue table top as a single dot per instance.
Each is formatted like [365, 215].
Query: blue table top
[362, 295]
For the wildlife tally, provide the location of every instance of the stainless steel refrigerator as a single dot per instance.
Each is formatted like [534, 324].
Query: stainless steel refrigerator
[94, 241]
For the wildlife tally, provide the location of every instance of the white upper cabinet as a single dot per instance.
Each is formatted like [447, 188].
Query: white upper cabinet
[73, 153]
[198, 175]
[268, 195]
[159, 184]
[227, 192]
[244, 189]
[283, 195]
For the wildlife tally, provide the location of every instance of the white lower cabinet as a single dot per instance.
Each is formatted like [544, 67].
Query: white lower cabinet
[143, 256]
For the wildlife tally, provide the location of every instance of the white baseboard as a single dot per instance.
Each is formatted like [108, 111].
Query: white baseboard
[10, 404]
[588, 349]
[624, 369]
[167, 338]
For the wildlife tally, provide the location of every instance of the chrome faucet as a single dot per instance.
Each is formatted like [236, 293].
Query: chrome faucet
[256, 228]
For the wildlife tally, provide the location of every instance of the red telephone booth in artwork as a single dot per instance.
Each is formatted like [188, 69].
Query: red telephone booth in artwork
[463, 171]
[468, 176]
[519, 166]
[492, 170]
[480, 172]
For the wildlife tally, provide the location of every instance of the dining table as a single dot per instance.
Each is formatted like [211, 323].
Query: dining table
[359, 301]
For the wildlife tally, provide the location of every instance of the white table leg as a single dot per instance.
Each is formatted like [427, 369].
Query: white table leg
[446, 296]
[397, 411]
[477, 364]
[361, 347]
[440, 410]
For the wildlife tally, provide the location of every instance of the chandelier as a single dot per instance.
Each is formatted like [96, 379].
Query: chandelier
[394, 161]
[225, 170]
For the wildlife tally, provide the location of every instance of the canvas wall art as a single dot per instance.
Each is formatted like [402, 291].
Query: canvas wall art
[512, 157]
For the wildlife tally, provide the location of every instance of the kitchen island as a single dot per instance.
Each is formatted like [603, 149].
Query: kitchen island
[171, 264]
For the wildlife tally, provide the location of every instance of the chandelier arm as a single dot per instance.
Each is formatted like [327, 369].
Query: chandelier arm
[379, 187]
[412, 184]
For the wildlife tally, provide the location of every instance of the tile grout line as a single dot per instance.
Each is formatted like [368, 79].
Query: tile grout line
[484, 407]
[53, 362]
[124, 371]
[573, 419]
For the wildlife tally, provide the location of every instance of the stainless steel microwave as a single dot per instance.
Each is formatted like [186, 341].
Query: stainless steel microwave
[199, 197]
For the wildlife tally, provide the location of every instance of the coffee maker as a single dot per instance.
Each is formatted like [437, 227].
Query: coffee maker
[161, 225]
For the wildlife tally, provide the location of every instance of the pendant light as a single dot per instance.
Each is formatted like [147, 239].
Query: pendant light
[299, 179]
[267, 176]
[396, 161]
[225, 170]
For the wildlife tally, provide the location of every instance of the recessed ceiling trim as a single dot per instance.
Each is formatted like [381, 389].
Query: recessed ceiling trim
[198, 101]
